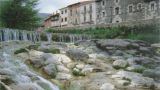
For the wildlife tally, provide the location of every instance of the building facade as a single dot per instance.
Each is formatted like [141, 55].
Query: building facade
[74, 15]
[87, 13]
[115, 11]
[64, 15]
[55, 20]
[99, 12]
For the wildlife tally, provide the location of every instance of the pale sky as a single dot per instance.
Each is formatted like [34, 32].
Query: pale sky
[50, 6]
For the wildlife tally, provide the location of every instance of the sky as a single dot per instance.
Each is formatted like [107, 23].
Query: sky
[50, 6]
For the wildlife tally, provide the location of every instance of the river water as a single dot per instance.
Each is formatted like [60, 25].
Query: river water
[17, 69]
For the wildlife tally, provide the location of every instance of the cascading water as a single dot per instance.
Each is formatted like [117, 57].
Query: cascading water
[9, 34]
[18, 71]
[49, 37]
[71, 37]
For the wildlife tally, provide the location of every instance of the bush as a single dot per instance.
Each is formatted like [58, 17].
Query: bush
[149, 33]
[77, 73]
[22, 50]
[50, 50]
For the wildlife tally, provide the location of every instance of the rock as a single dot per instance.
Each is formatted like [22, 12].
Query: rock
[137, 80]
[50, 70]
[80, 66]
[63, 58]
[140, 61]
[107, 86]
[145, 49]
[63, 76]
[152, 74]
[62, 68]
[85, 43]
[87, 69]
[120, 64]
[23, 55]
[26, 87]
[123, 82]
[35, 58]
[51, 59]
[119, 43]
[77, 55]
[136, 68]
[56, 59]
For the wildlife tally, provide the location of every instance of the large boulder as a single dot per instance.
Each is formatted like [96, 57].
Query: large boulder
[77, 54]
[140, 60]
[63, 76]
[107, 86]
[120, 64]
[35, 58]
[50, 70]
[119, 43]
[136, 79]
[56, 58]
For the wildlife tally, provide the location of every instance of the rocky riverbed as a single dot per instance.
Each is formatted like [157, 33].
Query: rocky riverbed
[111, 64]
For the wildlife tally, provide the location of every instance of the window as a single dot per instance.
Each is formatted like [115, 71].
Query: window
[139, 6]
[103, 3]
[66, 11]
[84, 18]
[90, 7]
[61, 12]
[65, 19]
[85, 9]
[71, 12]
[117, 10]
[103, 14]
[152, 6]
[117, 1]
[90, 17]
[62, 20]
[130, 9]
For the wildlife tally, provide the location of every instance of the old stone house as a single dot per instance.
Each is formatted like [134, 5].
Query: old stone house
[64, 15]
[87, 13]
[74, 14]
[115, 11]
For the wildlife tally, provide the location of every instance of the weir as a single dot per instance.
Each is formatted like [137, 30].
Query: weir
[35, 36]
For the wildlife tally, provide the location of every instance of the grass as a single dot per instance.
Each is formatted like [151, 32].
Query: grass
[149, 33]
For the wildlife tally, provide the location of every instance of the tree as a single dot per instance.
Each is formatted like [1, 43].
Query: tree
[19, 14]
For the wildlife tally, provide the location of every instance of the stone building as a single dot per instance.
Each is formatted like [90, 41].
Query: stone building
[55, 20]
[74, 15]
[87, 13]
[52, 21]
[64, 15]
[47, 22]
[115, 11]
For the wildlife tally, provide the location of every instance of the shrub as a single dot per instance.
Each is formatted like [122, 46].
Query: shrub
[22, 50]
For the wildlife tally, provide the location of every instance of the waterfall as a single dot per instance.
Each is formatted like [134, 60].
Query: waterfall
[10, 34]
[71, 37]
[49, 37]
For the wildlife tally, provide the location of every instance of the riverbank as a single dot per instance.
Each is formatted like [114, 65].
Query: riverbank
[15, 74]
[111, 64]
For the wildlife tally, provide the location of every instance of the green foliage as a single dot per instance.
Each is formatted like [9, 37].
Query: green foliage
[43, 37]
[149, 33]
[77, 73]
[50, 50]
[19, 14]
[22, 50]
